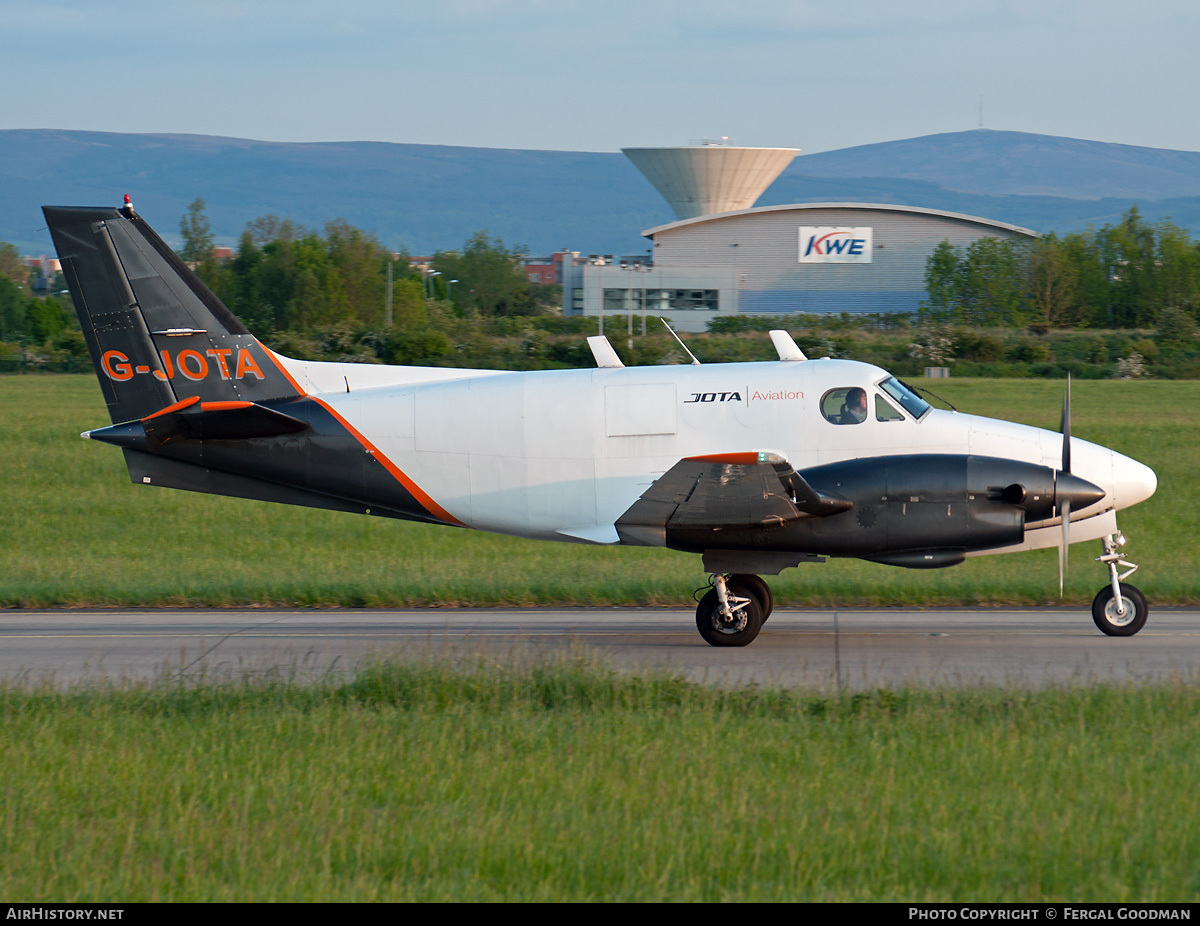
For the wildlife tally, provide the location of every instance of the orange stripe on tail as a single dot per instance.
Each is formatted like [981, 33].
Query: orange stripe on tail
[177, 407]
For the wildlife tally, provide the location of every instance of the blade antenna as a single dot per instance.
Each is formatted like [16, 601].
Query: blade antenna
[930, 392]
[695, 362]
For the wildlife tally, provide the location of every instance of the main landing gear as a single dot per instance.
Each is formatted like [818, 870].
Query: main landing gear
[733, 611]
[1118, 610]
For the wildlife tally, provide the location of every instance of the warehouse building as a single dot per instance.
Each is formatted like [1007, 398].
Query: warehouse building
[806, 257]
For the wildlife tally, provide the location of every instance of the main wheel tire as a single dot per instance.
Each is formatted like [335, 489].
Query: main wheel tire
[761, 591]
[714, 629]
[1104, 611]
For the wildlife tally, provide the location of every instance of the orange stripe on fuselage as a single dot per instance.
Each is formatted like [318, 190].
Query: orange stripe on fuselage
[281, 368]
[425, 501]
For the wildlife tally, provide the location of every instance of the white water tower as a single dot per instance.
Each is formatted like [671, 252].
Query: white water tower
[710, 178]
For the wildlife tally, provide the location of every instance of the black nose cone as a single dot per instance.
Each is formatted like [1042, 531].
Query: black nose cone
[1079, 492]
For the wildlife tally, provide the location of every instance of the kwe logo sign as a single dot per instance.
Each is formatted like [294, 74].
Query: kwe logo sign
[827, 244]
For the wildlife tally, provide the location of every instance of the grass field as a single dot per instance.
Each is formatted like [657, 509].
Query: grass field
[79, 533]
[566, 782]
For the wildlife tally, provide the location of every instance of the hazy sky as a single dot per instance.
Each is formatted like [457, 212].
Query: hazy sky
[599, 76]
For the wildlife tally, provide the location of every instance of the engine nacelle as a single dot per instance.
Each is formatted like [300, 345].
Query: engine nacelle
[930, 502]
[913, 510]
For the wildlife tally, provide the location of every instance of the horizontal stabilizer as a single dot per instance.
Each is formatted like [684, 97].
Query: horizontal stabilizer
[192, 419]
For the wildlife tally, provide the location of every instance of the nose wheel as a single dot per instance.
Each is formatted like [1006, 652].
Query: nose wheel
[1122, 619]
[1118, 610]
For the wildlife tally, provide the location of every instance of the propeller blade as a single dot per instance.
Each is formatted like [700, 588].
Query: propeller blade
[1065, 427]
[1064, 507]
[1064, 548]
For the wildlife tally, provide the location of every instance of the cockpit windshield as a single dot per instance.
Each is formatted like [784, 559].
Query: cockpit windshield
[909, 400]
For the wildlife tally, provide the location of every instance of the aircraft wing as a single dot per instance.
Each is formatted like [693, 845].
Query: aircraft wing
[735, 491]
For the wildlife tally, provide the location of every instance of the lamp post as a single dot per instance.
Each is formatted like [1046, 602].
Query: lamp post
[432, 274]
[643, 306]
[448, 283]
[596, 261]
[637, 268]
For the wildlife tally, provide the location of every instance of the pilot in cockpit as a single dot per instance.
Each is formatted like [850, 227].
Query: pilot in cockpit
[854, 409]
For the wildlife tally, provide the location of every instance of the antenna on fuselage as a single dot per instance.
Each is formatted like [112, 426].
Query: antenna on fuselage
[930, 392]
[695, 362]
[602, 350]
[785, 346]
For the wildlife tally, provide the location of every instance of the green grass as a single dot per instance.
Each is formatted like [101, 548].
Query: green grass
[568, 782]
[79, 533]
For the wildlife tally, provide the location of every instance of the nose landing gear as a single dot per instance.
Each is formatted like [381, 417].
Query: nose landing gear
[1118, 610]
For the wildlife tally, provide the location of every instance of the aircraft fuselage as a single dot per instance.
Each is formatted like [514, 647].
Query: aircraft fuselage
[561, 455]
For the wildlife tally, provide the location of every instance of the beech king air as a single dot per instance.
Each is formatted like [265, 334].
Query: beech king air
[757, 467]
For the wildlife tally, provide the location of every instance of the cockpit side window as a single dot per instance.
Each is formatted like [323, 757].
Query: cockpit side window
[885, 411]
[847, 405]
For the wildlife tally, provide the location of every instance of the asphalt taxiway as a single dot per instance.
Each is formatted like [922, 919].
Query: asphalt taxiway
[820, 649]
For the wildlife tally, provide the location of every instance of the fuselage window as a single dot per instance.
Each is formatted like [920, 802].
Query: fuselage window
[885, 411]
[845, 406]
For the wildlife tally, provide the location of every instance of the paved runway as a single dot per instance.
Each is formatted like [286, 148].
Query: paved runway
[816, 649]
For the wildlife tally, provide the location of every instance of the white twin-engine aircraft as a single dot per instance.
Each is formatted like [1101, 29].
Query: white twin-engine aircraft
[755, 466]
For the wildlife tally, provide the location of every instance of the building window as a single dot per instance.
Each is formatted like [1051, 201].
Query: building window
[661, 300]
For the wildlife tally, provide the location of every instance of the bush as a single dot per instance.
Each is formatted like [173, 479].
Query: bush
[978, 345]
[1147, 348]
[1029, 350]
[1175, 325]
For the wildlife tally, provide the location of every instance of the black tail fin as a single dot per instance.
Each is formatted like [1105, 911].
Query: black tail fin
[157, 335]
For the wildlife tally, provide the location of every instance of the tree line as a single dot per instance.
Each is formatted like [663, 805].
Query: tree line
[1131, 274]
[285, 277]
[322, 295]
[312, 294]
[325, 295]
[28, 320]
